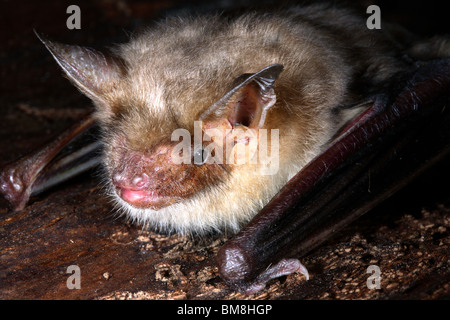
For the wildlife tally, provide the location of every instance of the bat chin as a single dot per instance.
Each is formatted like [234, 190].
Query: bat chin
[144, 199]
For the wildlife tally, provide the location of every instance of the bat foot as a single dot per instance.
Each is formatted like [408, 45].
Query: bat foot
[283, 268]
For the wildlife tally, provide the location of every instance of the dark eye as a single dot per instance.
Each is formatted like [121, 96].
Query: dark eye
[200, 156]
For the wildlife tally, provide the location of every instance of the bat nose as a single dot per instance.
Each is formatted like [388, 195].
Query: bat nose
[136, 182]
[140, 181]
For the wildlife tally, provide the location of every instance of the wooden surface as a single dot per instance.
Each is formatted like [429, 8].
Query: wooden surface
[408, 237]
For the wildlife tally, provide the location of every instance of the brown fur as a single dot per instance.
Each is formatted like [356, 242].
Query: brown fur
[167, 77]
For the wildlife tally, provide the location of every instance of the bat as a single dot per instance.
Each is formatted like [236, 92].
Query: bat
[290, 114]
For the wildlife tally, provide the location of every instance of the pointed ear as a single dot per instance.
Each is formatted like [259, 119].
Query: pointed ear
[91, 71]
[247, 103]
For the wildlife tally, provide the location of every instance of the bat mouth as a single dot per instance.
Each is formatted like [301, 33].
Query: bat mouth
[144, 199]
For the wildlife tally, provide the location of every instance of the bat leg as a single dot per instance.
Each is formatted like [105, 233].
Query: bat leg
[389, 145]
[36, 172]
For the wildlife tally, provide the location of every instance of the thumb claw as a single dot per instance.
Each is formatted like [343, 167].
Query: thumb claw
[302, 269]
[282, 268]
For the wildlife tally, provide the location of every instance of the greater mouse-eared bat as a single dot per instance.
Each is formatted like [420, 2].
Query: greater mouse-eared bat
[305, 116]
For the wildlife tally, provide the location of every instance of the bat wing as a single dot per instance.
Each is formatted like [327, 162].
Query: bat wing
[376, 155]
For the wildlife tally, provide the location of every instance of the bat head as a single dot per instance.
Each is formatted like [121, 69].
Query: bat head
[165, 169]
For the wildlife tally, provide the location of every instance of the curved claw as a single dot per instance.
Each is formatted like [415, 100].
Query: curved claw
[283, 268]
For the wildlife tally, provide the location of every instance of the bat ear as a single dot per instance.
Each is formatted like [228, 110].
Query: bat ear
[91, 71]
[247, 102]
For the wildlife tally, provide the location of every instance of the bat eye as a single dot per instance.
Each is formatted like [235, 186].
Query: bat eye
[200, 156]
